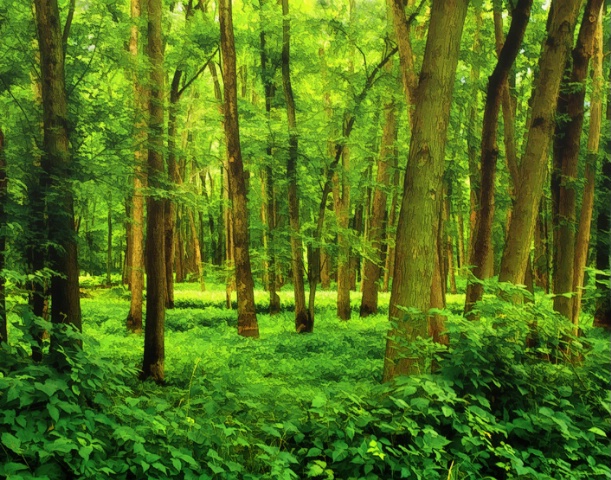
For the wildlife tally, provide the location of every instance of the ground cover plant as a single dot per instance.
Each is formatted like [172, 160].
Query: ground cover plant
[293, 406]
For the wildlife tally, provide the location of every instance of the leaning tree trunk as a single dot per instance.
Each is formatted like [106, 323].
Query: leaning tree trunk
[304, 323]
[416, 245]
[247, 319]
[57, 166]
[563, 16]
[582, 240]
[481, 252]
[154, 347]
[566, 160]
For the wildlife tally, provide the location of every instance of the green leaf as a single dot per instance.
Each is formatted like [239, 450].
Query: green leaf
[53, 412]
[317, 467]
[12, 442]
[597, 431]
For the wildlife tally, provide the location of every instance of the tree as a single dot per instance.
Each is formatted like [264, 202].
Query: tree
[136, 227]
[566, 160]
[154, 347]
[303, 321]
[482, 244]
[562, 18]
[417, 231]
[247, 318]
[57, 169]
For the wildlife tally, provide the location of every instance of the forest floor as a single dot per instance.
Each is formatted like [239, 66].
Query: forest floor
[289, 406]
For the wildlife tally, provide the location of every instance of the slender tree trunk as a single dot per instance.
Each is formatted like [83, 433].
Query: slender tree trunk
[109, 243]
[582, 240]
[528, 192]
[247, 319]
[136, 243]
[3, 202]
[304, 323]
[481, 253]
[566, 160]
[372, 268]
[391, 229]
[472, 140]
[154, 347]
[417, 245]
[57, 165]
[341, 197]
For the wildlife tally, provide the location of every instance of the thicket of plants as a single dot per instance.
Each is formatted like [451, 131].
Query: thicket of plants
[503, 402]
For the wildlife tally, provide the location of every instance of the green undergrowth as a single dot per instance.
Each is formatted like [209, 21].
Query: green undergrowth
[510, 398]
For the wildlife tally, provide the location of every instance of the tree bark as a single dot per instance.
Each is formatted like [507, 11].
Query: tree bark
[482, 252]
[304, 323]
[373, 268]
[57, 166]
[417, 230]
[566, 160]
[582, 240]
[154, 347]
[247, 319]
[528, 192]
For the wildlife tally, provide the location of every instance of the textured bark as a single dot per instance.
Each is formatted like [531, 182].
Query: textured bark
[247, 319]
[482, 253]
[57, 166]
[417, 230]
[472, 143]
[566, 160]
[533, 167]
[582, 240]
[304, 323]
[391, 229]
[267, 208]
[154, 347]
[373, 266]
[341, 200]
[3, 201]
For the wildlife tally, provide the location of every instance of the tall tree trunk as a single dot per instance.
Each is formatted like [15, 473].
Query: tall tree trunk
[417, 245]
[528, 192]
[154, 347]
[373, 268]
[3, 202]
[391, 228]
[566, 160]
[304, 323]
[269, 217]
[540, 262]
[247, 319]
[57, 166]
[582, 240]
[481, 253]
[136, 246]
[109, 243]
[341, 200]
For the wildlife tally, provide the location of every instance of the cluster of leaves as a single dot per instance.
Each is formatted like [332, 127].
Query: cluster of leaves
[504, 402]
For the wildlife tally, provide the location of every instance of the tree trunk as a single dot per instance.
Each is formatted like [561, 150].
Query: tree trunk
[154, 348]
[304, 323]
[481, 252]
[528, 192]
[341, 200]
[373, 268]
[417, 245]
[566, 160]
[57, 166]
[247, 319]
[582, 240]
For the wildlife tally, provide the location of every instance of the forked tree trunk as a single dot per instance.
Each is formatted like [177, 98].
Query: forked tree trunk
[247, 319]
[481, 252]
[154, 346]
[57, 165]
[417, 250]
[533, 166]
[566, 160]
